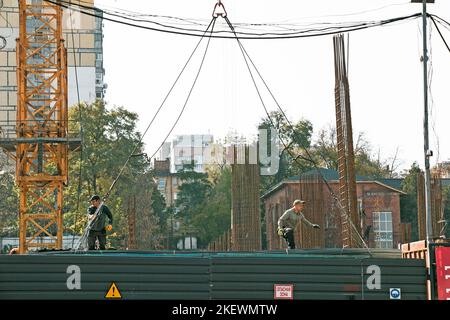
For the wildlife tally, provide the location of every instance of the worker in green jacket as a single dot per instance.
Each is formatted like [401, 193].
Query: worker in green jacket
[98, 224]
[289, 220]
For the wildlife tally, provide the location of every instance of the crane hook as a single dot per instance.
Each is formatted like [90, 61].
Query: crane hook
[219, 10]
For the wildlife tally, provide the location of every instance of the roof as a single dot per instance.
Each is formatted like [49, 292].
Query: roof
[332, 175]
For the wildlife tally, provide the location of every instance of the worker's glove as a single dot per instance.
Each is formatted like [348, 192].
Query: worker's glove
[108, 227]
[280, 232]
[316, 226]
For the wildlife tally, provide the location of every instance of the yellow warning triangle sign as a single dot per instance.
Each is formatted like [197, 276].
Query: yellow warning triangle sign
[113, 292]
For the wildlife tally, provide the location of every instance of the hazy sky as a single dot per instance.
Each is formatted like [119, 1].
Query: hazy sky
[386, 85]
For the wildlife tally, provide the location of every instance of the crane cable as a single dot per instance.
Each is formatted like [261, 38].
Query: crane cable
[310, 159]
[80, 115]
[82, 241]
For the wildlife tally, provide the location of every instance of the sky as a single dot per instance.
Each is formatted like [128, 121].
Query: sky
[385, 73]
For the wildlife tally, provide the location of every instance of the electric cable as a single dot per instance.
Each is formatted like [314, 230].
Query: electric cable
[440, 33]
[236, 24]
[80, 114]
[266, 36]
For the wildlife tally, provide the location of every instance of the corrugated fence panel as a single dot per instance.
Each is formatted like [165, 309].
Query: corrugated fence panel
[146, 277]
[209, 276]
[314, 278]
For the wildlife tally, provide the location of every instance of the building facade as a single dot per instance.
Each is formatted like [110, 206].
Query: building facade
[167, 182]
[190, 149]
[378, 204]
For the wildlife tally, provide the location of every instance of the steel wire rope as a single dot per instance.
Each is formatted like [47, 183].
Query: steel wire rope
[83, 239]
[80, 118]
[310, 159]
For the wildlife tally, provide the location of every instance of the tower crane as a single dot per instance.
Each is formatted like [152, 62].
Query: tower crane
[41, 144]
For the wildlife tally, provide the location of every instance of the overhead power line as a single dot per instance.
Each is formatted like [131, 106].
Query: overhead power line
[440, 33]
[321, 29]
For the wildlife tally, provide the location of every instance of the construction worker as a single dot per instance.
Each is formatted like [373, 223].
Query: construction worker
[98, 227]
[288, 221]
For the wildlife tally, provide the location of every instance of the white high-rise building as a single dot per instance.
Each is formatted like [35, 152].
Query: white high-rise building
[190, 149]
[83, 36]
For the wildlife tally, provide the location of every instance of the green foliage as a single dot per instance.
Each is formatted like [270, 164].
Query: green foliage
[109, 137]
[213, 216]
[296, 139]
[194, 189]
[9, 204]
[408, 202]
[324, 152]
[446, 204]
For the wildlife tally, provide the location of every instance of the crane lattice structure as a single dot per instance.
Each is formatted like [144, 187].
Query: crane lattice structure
[41, 143]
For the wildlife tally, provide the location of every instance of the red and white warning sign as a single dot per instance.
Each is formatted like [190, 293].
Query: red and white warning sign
[283, 291]
[443, 272]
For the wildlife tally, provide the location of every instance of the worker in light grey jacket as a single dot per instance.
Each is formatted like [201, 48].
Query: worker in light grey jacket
[289, 220]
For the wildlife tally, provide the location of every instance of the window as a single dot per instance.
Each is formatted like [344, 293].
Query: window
[382, 227]
[161, 184]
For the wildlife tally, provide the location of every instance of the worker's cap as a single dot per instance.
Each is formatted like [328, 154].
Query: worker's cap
[299, 202]
[94, 197]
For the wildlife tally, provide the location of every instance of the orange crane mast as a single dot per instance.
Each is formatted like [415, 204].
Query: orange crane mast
[41, 143]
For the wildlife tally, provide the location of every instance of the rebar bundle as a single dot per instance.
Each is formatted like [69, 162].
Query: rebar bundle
[221, 244]
[346, 157]
[131, 208]
[317, 202]
[246, 222]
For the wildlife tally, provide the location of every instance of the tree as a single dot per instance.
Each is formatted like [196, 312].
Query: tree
[194, 188]
[213, 216]
[325, 153]
[150, 214]
[109, 137]
[408, 202]
[294, 140]
[9, 203]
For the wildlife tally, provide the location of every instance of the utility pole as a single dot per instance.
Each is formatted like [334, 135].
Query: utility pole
[426, 146]
[427, 152]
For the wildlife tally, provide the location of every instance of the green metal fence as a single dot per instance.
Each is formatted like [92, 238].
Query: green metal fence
[314, 275]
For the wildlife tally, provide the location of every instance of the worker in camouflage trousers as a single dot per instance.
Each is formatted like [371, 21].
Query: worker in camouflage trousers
[288, 221]
[98, 225]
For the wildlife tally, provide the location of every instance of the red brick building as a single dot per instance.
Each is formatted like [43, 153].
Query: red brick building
[378, 205]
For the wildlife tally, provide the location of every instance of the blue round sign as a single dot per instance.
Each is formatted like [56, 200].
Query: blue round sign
[395, 293]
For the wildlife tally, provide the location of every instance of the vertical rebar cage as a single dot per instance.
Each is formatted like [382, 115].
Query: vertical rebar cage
[41, 124]
[346, 157]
